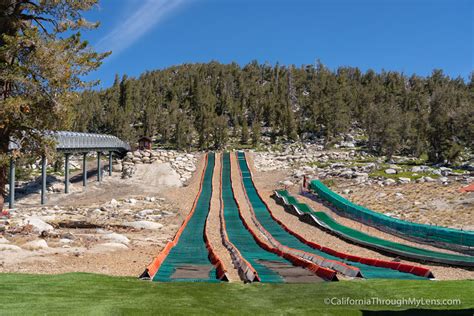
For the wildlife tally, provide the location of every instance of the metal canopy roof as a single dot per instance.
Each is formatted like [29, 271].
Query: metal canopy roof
[84, 142]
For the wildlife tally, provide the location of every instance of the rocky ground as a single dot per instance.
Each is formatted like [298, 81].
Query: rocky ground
[405, 189]
[114, 227]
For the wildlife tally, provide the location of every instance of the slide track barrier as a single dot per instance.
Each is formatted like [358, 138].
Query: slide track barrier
[323, 221]
[305, 213]
[442, 237]
[284, 233]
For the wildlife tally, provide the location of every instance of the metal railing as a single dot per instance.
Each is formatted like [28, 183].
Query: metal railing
[70, 142]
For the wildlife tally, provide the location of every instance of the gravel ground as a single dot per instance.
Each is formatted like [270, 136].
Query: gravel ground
[85, 253]
[267, 182]
[213, 226]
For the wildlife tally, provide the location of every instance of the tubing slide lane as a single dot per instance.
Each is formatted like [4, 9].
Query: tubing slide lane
[187, 258]
[328, 224]
[307, 215]
[246, 271]
[264, 215]
[449, 238]
[253, 248]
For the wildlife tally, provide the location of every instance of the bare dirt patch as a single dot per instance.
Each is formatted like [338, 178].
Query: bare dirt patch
[426, 203]
[93, 227]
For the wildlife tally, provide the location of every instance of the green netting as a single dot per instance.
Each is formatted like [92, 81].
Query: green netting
[364, 238]
[285, 238]
[191, 248]
[240, 236]
[369, 217]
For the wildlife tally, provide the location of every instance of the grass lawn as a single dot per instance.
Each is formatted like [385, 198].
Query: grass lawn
[81, 293]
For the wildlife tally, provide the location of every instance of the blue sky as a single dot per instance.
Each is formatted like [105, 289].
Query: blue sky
[413, 36]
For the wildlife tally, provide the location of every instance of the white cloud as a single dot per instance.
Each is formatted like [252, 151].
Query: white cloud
[142, 20]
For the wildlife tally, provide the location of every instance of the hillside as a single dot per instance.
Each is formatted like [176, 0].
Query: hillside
[212, 105]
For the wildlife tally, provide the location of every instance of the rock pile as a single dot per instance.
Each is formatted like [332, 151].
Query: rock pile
[356, 166]
[183, 163]
[295, 156]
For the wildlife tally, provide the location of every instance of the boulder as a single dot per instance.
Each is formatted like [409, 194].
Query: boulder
[443, 179]
[36, 244]
[390, 171]
[347, 144]
[145, 213]
[109, 246]
[116, 238]
[117, 167]
[3, 240]
[404, 180]
[287, 183]
[38, 224]
[5, 247]
[131, 201]
[143, 225]
[389, 182]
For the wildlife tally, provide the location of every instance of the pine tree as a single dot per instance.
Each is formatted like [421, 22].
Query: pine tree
[244, 138]
[42, 61]
[256, 132]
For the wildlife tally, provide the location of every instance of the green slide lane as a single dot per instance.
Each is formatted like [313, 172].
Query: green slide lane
[285, 238]
[451, 236]
[240, 236]
[191, 251]
[368, 239]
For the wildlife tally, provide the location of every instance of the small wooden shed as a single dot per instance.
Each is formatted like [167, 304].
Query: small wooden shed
[144, 143]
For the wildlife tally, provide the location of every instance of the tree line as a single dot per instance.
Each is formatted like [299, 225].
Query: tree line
[207, 106]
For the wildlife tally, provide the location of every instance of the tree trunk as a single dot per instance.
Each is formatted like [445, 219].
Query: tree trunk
[4, 141]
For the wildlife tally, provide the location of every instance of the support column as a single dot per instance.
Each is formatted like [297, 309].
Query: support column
[11, 200]
[66, 172]
[84, 170]
[99, 171]
[43, 179]
[110, 163]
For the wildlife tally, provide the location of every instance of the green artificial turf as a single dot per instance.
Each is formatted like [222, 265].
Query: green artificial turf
[86, 294]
